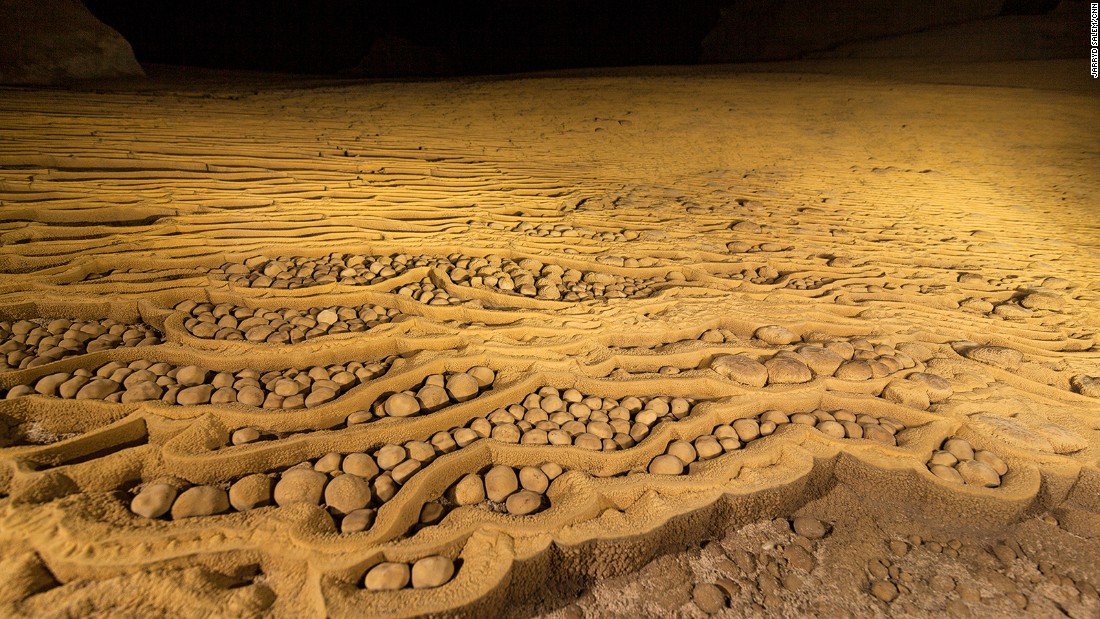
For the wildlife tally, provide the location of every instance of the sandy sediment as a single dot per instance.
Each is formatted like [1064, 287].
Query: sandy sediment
[762, 345]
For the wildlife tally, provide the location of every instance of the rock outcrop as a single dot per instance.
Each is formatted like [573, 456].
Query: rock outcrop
[57, 41]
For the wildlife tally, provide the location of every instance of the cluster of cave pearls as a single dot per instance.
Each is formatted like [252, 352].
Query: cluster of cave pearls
[413, 446]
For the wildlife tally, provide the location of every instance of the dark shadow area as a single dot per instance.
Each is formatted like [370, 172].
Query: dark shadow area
[413, 37]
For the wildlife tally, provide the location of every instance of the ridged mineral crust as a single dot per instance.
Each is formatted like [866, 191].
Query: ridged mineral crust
[468, 348]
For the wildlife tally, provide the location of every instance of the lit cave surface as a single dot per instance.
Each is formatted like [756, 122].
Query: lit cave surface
[549, 309]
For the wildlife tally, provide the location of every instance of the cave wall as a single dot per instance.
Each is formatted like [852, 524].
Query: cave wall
[57, 41]
[761, 30]
[1024, 34]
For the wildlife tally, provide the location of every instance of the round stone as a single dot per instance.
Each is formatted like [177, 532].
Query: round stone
[300, 486]
[420, 450]
[401, 405]
[154, 500]
[48, 385]
[683, 450]
[600, 429]
[402, 472]
[707, 447]
[244, 435]
[978, 474]
[804, 419]
[500, 482]
[69, 388]
[1043, 301]
[666, 464]
[329, 462]
[347, 493]
[327, 317]
[946, 473]
[319, 395]
[389, 456]
[588, 441]
[523, 503]
[746, 429]
[879, 434]
[432, 572]
[200, 501]
[259, 333]
[821, 360]
[552, 470]
[287, 387]
[776, 336]
[250, 395]
[532, 478]
[358, 520]
[432, 397]
[97, 389]
[193, 396]
[990, 459]
[251, 492]
[710, 598]
[742, 369]
[679, 407]
[810, 528]
[855, 369]
[142, 392]
[388, 576]
[959, 448]
[943, 458]
[360, 464]
[787, 371]
[551, 403]
[359, 417]
[384, 487]
[507, 433]
[462, 386]
[884, 590]
[190, 375]
[470, 490]
[831, 428]
[484, 375]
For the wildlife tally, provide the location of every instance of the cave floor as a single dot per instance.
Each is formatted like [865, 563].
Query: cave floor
[793, 339]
